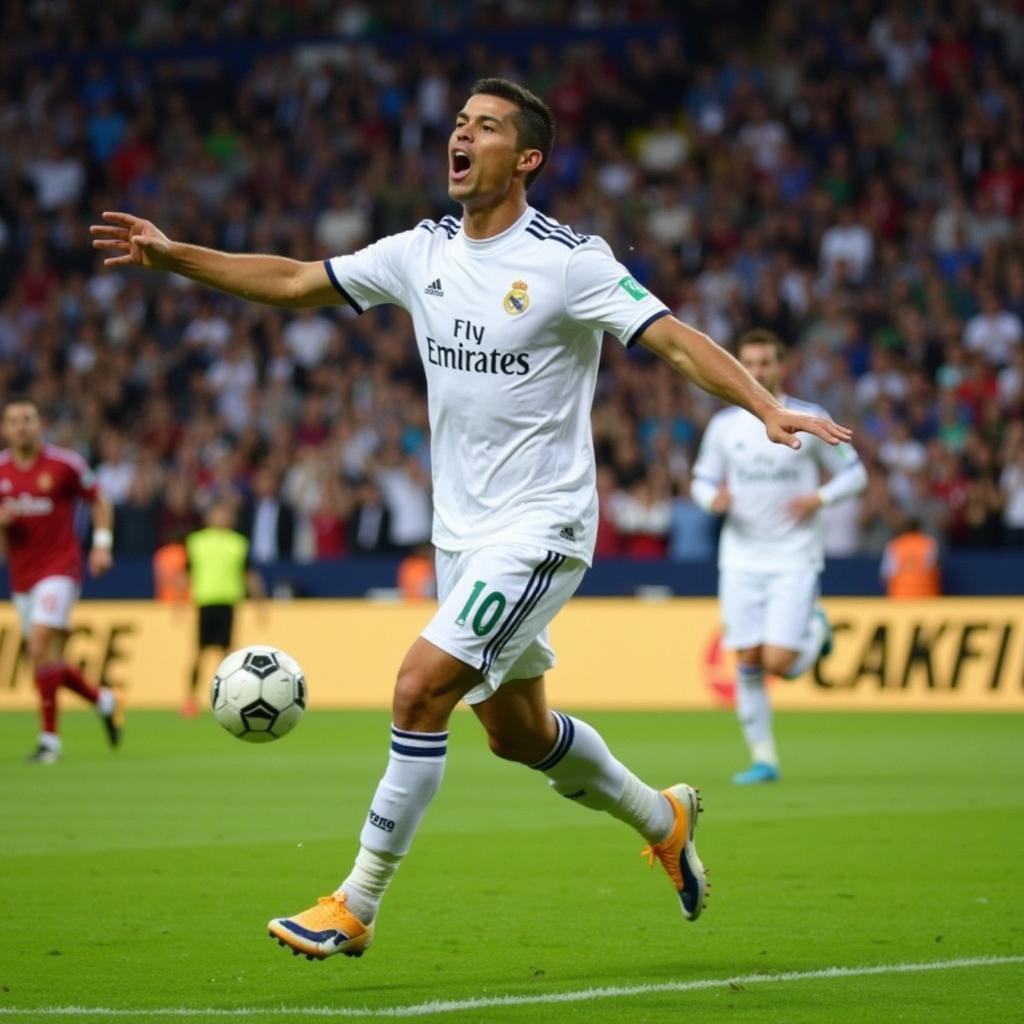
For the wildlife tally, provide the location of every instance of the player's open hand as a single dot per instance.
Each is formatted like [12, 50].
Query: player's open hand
[100, 561]
[131, 242]
[782, 426]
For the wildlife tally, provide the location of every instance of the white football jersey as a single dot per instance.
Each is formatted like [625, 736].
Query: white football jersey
[509, 330]
[759, 533]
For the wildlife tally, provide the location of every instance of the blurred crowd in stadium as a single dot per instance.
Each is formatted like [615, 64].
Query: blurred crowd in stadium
[850, 176]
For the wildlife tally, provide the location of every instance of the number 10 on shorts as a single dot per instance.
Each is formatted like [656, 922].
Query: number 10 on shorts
[487, 614]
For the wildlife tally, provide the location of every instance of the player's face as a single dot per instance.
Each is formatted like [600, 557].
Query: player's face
[22, 427]
[483, 151]
[762, 362]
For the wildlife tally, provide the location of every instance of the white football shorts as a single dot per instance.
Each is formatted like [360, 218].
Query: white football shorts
[495, 606]
[49, 603]
[766, 607]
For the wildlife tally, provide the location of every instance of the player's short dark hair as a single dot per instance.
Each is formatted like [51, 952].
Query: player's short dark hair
[535, 124]
[761, 336]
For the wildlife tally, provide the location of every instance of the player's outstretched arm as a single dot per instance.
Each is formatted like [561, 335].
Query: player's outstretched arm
[709, 366]
[130, 241]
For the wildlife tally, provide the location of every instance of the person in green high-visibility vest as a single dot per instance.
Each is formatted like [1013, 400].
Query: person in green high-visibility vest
[221, 578]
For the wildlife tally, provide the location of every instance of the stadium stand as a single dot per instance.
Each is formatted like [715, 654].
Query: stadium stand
[851, 176]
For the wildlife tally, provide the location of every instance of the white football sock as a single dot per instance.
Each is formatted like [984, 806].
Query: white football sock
[50, 740]
[412, 778]
[643, 807]
[754, 710]
[810, 648]
[106, 702]
[368, 881]
[581, 767]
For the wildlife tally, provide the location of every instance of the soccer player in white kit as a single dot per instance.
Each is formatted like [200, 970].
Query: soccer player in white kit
[771, 550]
[508, 308]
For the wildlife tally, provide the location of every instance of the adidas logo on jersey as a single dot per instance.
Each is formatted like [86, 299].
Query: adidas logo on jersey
[567, 533]
[434, 288]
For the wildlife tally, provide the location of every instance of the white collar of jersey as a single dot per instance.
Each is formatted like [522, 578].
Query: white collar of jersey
[489, 245]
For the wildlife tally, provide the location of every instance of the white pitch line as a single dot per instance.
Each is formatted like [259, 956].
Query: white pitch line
[457, 1005]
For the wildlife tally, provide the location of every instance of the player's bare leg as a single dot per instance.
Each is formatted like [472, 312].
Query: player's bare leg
[579, 766]
[45, 647]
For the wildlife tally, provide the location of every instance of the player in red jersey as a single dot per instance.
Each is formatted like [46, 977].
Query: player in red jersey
[39, 487]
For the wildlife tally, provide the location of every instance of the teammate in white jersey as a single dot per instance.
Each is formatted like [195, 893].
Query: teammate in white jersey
[771, 549]
[509, 308]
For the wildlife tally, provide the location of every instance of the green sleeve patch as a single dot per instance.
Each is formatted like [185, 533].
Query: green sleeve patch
[632, 287]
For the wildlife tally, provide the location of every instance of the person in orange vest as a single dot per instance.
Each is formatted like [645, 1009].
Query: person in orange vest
[416, 578]
[170, 573]
[910, 563]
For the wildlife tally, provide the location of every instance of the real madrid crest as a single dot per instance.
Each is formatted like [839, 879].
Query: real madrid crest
[517, 300]
[45, 482]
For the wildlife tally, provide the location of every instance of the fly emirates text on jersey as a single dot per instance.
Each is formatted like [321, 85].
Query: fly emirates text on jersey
[460, 355]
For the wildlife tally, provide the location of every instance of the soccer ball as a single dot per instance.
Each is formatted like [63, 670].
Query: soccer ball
[258, 694]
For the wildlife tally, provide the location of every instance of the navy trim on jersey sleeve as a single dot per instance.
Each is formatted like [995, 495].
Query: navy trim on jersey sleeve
[643, 327]
[341, 291]
[448, 224]
[550, 238]
[551, 231]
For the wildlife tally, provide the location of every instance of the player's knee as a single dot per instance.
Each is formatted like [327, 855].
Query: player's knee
[751, 657]
[419, 703]
[779, 662]
[37, 648]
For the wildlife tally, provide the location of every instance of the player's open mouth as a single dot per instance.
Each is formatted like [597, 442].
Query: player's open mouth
[460, 165]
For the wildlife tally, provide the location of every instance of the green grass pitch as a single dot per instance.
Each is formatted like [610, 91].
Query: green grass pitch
[141, 881]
